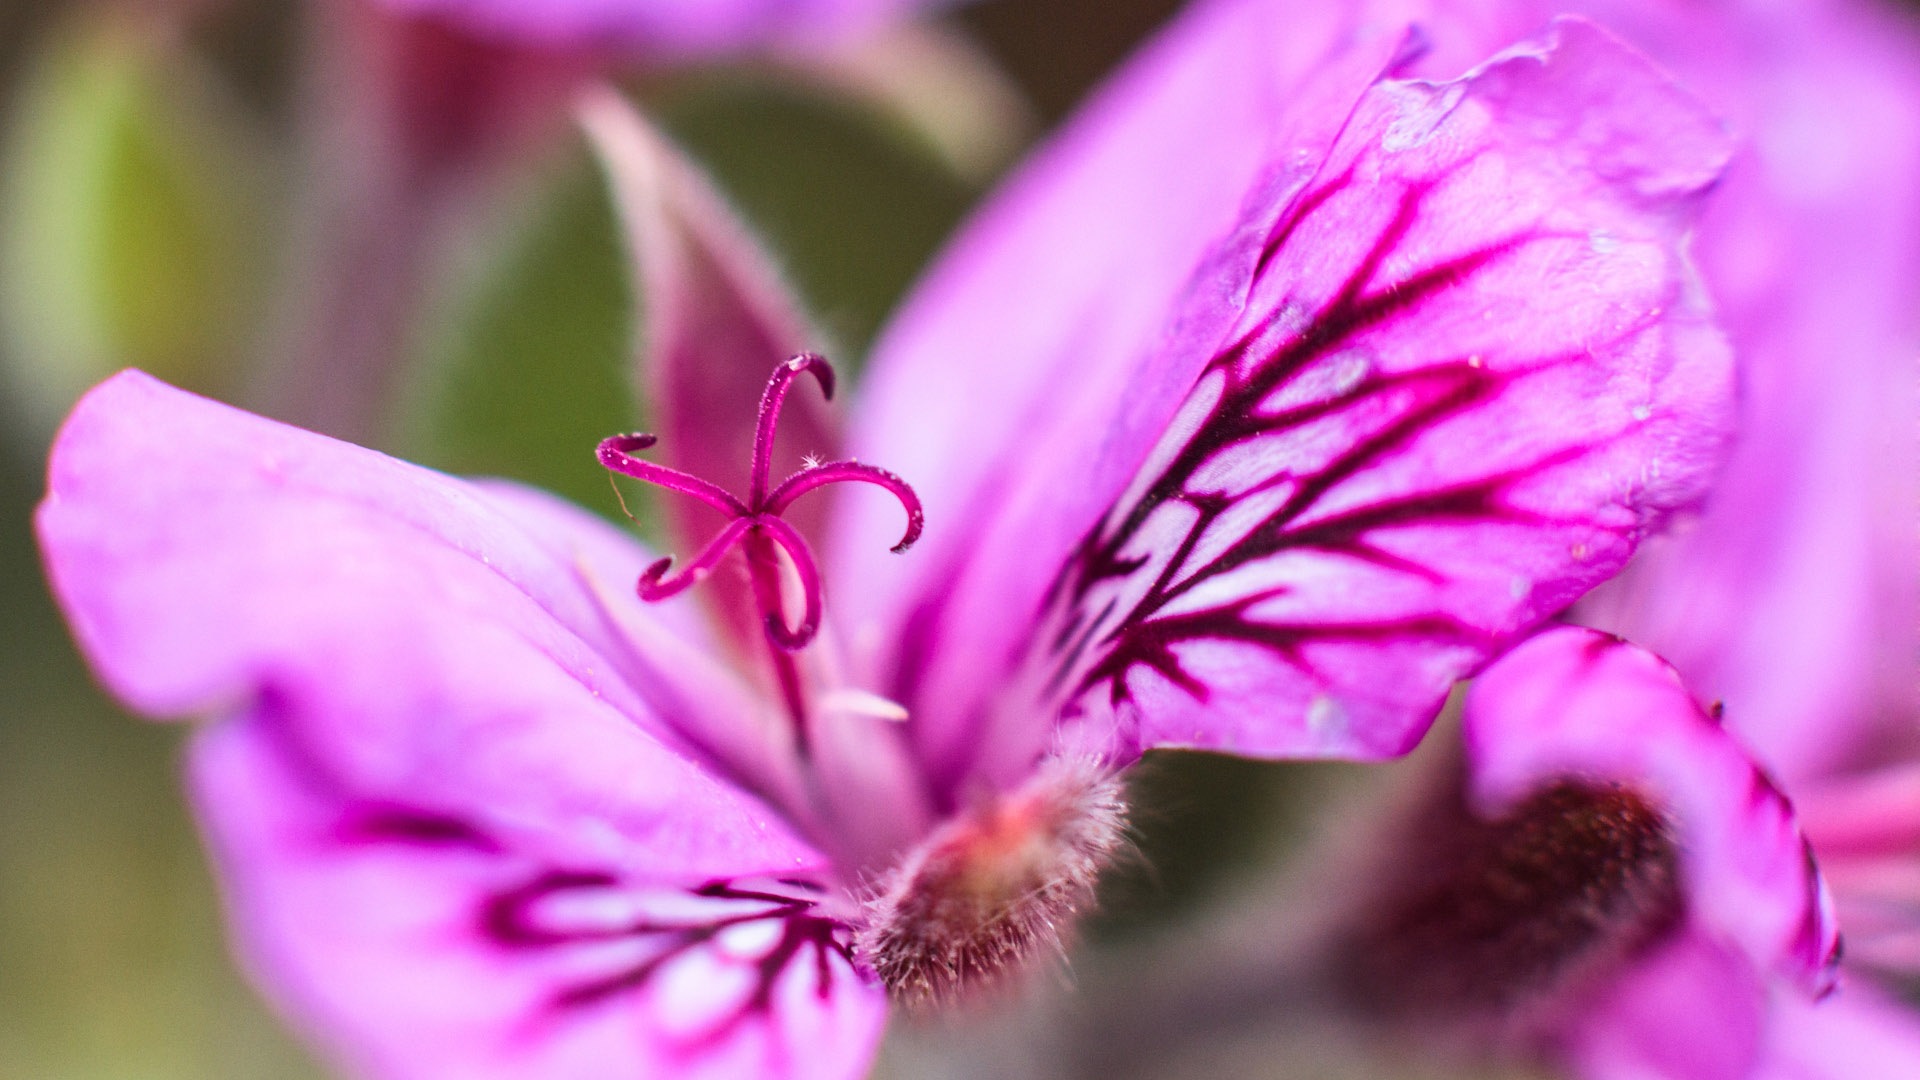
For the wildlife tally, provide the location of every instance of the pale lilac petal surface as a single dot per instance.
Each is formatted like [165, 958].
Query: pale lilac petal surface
[1796, 597]
[668, 27]
[1854, 1035]
[415, 945]
[431, 708]
[1436, 385]
[1069, 275]
[207, 558]
[1695, 1008]
[1574, 702]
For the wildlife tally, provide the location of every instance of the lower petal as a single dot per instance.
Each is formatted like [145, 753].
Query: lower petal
[415, 943]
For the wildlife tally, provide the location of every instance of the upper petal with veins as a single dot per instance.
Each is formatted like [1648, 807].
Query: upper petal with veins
[1470, 369]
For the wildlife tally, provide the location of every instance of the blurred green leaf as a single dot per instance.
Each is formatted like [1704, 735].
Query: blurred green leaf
[851, 205]
[528, 370]
[129, 217]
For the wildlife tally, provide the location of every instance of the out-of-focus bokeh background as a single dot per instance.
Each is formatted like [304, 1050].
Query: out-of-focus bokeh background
[164, 183]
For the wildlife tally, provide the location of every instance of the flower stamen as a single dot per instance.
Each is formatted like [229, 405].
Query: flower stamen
[771, 401]
[655, 586]
[755, 524]
[819, 474]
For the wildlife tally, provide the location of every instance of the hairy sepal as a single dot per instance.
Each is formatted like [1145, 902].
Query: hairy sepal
[994, 888]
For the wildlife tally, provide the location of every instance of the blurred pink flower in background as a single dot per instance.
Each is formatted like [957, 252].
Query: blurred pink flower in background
[1278, 393]
[421, 113]
[1589, 877]
[669, 27]
[1792, 598]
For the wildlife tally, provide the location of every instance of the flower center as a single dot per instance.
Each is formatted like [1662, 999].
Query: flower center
[1494, 916]
[994, 886]
[754, 524]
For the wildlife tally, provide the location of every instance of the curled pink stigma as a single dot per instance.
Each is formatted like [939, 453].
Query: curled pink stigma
[655, 585]
[755, 523]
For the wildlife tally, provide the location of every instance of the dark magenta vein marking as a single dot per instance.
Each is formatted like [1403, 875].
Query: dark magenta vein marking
[1416, 401]
[511, 919]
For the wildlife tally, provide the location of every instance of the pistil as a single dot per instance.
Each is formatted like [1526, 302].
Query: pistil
[756, 526]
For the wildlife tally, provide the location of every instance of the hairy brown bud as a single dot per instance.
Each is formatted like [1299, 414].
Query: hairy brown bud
[995, 886]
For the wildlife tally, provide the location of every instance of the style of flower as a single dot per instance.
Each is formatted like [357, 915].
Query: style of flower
[1274, 396]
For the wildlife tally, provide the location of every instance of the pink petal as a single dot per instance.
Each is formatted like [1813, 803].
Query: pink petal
[1067, 276]
[416, 634]
[1858, 1034]
[1693, 1009]
[411, 944]
[1573, 702]
[1437, 385]
[433, 708]
[1795, 597]
[1865, 828]
[718, 319]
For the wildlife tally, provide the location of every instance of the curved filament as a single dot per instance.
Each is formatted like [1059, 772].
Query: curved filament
[820, 475]
[614, 453]
[793, 639]
[655, 585]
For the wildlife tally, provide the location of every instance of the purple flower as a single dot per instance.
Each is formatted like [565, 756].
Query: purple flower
[1795, 597]
[1592, 876]
[1273, 397]
[1651, 901]
[1716, 901]
[671, 27]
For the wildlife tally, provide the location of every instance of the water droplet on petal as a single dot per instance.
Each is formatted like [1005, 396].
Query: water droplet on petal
[1326, 716]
